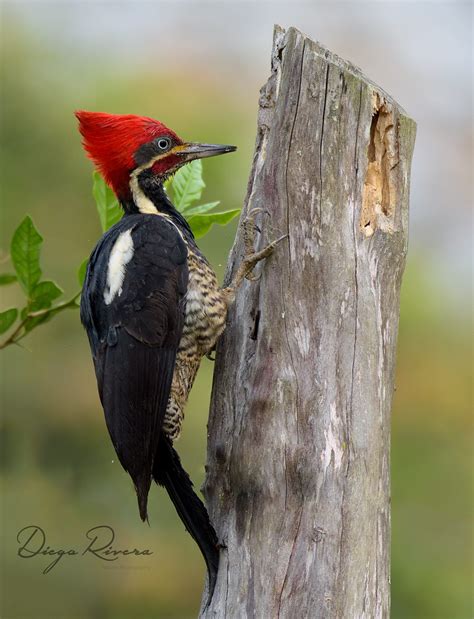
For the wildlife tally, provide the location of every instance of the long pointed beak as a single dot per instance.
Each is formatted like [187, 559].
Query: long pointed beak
[193, 150]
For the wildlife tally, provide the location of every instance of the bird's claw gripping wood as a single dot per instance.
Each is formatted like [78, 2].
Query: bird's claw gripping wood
[249, 227]
[250, 261]
[252, 257]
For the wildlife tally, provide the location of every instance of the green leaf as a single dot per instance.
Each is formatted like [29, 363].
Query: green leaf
[187, 185]
[107, 204]
[202, 208]
[43, 295]
[81, 273]
[7, 318]
[25, 252]
[7, 278]
[200, 224]
[168, 186]
[42, 298]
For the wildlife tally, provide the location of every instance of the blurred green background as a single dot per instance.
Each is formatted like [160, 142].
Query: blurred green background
[198, 68]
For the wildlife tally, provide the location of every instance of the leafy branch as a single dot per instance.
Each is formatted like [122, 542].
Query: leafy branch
[185, 189]
[25, 249]
[41, 316]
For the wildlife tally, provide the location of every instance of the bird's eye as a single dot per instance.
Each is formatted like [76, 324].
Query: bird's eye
[163, 143]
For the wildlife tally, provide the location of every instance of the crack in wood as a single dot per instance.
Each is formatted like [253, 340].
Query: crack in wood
[288, 157]
[254, 333]
[300, 516]
[290, 351]
[321, 148]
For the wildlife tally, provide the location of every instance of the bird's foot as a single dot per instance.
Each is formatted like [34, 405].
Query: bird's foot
[252, 257]
[251, 260]
[249, 227]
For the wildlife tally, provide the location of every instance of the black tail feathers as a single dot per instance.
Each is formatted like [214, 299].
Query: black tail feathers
[168, 472]
[142, 487]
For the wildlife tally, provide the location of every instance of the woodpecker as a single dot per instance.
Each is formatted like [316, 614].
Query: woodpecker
[152, 308]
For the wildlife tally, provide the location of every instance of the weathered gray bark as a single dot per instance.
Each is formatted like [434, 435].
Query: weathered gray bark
[298, 479]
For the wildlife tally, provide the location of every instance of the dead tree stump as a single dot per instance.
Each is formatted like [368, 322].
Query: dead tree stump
[298, 473]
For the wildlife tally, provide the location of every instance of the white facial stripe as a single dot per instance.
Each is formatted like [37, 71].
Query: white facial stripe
[144, 204]
[152, 161]
[120, 256]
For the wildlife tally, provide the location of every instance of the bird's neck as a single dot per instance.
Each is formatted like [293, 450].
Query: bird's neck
[147, 196]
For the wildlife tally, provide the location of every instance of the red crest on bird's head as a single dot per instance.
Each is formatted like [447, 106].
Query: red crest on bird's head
[111, 141]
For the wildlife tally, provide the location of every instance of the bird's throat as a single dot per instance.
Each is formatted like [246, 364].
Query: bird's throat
[148, 197]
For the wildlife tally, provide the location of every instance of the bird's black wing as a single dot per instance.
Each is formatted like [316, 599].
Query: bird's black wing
[134, 330]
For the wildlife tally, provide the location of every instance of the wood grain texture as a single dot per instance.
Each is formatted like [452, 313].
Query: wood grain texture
[298, 472]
